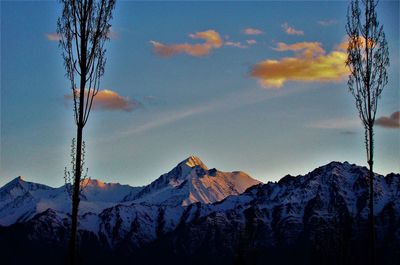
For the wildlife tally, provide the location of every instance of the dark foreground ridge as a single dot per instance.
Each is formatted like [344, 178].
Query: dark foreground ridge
[318, 218]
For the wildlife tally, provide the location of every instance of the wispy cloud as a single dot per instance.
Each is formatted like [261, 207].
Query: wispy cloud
[166, 118]
[393, 121]
[53, 36]
[110, 101]
[212, 41]
[291, 30]
[327, 23]
[346, 124]
[112, 34]
[251, 42]
[237, 44]
[311, 63]
[252, 31]
[233, 101]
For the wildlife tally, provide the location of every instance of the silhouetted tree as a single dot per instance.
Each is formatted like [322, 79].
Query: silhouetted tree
[368, 58]
[83, 29]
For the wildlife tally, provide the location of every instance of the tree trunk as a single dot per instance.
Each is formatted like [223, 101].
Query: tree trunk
[76, 199]
[371, 197]
[78, 164]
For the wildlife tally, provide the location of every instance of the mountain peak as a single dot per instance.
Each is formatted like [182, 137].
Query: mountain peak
[16, 181]
[193, 161]
[94, 183]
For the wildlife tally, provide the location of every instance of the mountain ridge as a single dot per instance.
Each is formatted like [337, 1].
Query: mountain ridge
[310, 216]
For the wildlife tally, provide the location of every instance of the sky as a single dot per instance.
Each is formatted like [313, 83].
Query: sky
[254, 86]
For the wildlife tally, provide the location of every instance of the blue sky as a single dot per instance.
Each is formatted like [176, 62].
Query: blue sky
[182, 103]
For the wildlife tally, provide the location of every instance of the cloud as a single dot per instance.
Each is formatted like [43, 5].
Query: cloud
[291, 31]
[251, 42]
[53, 36]
[311, 63]
[252, 31]
[327, 23]
[110, 101]
[228, 102]
[112, 34]
[348, 132]
[212, 41]
[308, 49]
[389, 122]
[235, 44]
[166, 118]
[345, 124]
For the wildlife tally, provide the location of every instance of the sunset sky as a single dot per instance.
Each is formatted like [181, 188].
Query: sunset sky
[252, 86]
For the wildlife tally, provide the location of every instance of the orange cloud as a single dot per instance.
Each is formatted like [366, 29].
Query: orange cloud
[252, 31]
[53, 36]
[389, 122]
[290, 30]
[355, 42]
[308, 49]
[310, 64]
[111, 101]
[212, 41]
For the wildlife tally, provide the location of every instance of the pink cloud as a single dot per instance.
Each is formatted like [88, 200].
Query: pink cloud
[53, 36]
[235, 44]
[291, 31]
[251, 42]
[252, 31]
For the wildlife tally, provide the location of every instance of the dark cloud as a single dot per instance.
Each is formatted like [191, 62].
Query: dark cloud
[389, 122]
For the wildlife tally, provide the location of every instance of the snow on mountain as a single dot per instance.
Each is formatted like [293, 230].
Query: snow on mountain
[96, 190]
[191, 181]
[312, 214]
[20, 200]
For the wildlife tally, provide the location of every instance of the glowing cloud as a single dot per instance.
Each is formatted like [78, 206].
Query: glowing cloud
[53, 36]
[310, 64]
[290, 30]
[111, 101]
[212, 41]
[389, 122]
[252, 31]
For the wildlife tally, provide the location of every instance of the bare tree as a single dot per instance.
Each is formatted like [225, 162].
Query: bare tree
[368, 60]
[83, 28]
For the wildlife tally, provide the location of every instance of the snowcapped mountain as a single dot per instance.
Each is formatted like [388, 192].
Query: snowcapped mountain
[319, 218]
[20, 200]
[322, 215]
[191, 181]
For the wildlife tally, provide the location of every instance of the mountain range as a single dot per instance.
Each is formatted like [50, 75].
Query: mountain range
[196, 215]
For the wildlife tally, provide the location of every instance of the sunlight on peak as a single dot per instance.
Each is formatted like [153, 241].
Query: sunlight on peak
[94, 183]
[193, 161]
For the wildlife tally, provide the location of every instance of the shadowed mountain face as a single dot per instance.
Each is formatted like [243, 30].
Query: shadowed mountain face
[187, 217]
